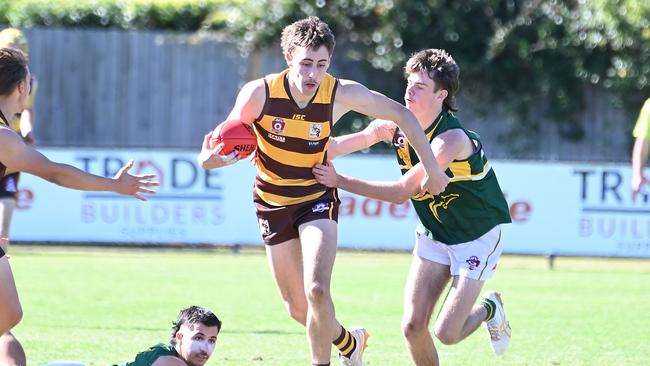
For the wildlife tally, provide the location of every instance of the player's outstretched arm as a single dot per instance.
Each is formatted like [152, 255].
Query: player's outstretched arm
[396, 191]
[447, 147]
[371, 103]
[640, 154]
[377, 130]
[20, 157]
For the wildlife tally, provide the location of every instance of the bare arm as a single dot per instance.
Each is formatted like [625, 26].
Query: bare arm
[358, 98]
[377, 130]
[248, 106]
[447, 147]
[396, 191]
[20, 157]
[640, 154]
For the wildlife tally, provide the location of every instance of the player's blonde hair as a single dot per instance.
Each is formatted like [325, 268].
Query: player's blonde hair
[13, 38]
[310, 33]
[441, 68]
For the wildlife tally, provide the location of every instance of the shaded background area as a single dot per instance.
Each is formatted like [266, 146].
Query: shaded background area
[540, 79]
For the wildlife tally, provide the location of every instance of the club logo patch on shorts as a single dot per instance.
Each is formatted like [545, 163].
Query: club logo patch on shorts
[320, 207]
[473, 262]
[11, 185]
[265, 229]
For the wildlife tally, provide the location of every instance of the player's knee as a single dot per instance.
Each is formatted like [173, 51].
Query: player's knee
[317, 293]
[413, 327]
[447, 336]
[299, 313]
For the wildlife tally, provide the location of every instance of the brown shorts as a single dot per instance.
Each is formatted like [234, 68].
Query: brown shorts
[280, 223]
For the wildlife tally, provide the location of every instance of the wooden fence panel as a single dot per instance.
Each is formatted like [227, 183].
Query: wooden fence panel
[109, 88]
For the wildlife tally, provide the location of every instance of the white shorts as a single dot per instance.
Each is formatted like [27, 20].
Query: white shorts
[475, 259]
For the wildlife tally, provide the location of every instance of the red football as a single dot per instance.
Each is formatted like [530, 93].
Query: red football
[235, 135]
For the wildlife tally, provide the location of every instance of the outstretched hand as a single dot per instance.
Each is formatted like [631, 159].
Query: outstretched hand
[434, 184]
[326, 174]
[638, 181]
[383, 130]
[210, 158]
[134, 185]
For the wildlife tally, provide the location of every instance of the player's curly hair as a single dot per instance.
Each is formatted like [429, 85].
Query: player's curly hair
[441, 68]
[13, 69]
[194, 315]
[310, 33]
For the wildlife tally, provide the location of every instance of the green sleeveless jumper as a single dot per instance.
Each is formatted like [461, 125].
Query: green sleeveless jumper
[471, 205]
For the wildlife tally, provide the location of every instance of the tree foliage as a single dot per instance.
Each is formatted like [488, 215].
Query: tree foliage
[184, 15]
[514, 52]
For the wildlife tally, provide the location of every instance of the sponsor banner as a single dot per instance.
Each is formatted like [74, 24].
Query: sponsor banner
[557, 208]
[192, 206]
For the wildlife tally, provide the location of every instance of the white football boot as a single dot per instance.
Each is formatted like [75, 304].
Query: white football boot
[356, 358]
[498, 326]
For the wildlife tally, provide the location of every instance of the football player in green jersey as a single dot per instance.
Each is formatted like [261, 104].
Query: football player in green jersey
[194, 338]
[458, 238]
[641, 149]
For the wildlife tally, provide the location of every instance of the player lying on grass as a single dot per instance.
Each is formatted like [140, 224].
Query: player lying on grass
[194, 337]
[459, 235]
[16, 156]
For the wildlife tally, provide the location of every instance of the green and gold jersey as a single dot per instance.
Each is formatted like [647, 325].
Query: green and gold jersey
[642, 127]
[291, 140]
[472, 203]
[148, 357]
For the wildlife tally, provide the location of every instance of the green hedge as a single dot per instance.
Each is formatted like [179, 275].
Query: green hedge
[185, 15]
[512, 53]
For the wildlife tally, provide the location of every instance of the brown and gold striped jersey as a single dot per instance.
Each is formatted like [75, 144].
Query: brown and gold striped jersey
[3, 122]
[291, 140]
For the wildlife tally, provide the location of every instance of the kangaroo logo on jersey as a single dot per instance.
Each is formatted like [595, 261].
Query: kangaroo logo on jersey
[277, 125]
[315, 130]
[265, 228]
[442, 202]
[473, 262]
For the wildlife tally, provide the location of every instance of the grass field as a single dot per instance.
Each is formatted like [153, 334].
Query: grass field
[102, 306]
